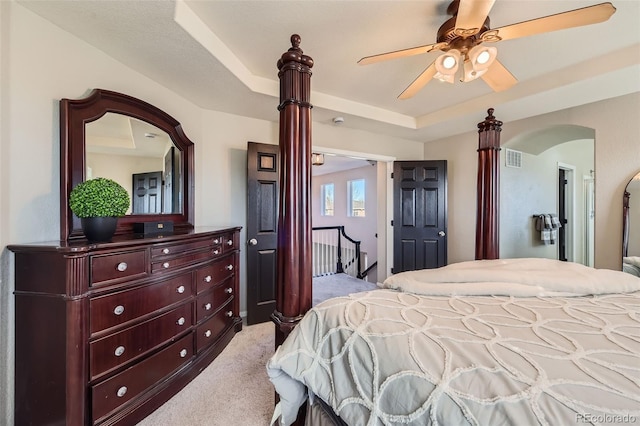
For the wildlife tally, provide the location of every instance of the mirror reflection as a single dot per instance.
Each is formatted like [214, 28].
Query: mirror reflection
[631, 232]
[548, 173]
[140, 157]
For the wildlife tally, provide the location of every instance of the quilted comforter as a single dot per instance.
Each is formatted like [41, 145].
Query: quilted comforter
[453, 346]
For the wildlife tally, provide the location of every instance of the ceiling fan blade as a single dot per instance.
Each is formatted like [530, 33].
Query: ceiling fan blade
[471, 16]
[400, 53]
[419, 82]
[498, 77]
[573, 18]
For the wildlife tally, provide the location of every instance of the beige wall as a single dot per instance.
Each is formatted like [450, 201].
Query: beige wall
[39, 65]
[617, 159]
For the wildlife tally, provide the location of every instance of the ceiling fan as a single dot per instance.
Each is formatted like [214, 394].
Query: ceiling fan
[461, 39]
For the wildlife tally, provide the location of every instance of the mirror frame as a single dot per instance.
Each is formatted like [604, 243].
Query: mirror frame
[74, 114]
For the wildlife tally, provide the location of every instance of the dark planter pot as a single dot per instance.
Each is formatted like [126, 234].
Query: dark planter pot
[99, 229]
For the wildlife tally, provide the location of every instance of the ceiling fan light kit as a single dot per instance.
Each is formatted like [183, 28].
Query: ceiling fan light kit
[462, 35]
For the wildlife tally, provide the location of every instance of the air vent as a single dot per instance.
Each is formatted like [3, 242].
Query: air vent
[513, 158]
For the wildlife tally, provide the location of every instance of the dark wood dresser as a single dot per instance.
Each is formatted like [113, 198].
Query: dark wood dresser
[106, 333]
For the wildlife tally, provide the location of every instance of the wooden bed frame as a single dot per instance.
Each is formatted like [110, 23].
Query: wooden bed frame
[294, 255]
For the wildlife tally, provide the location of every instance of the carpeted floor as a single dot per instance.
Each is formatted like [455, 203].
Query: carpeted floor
[233, 390]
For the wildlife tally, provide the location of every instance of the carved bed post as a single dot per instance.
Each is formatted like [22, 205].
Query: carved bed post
[294, 261]
[488, 204]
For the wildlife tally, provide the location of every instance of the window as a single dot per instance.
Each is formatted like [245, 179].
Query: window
[355, 192]
[326, 196]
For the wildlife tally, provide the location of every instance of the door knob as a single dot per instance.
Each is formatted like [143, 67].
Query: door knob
[442, 233]
[253, 242]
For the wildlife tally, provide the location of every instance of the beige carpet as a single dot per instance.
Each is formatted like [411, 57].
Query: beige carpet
[233, 390]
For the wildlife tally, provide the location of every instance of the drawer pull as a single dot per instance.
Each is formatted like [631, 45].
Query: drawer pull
[180, 289]
[207, 279]
[118, 310]
[229, 267]
[183, 353]
[121, 391]
[181, 321]
[165, 251]
[229, 242]
[207, 333]
[216, 251]
[216, 241]
[207, 306]
[229, 313]
[119, 350]
[228, 290]
[165, 265]
[122, 266]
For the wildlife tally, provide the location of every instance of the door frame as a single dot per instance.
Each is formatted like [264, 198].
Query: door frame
[570, 206]
[385, 210]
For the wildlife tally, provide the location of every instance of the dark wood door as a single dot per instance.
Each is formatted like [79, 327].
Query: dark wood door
[147, 192]
[562, 215]
[171, 200]
[419, 215]
[262, 219]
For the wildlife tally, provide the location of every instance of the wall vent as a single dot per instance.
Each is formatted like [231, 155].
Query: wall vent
[513, 158]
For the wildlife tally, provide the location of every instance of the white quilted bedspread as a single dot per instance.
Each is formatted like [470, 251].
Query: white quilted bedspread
[388, 357]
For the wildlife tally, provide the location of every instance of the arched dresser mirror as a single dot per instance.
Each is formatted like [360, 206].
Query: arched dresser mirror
[113, 135]
[631, 227]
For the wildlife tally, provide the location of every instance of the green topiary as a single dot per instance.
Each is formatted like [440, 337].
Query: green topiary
[99, 197]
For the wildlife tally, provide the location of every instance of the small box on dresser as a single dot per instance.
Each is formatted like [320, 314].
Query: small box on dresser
[106, 333]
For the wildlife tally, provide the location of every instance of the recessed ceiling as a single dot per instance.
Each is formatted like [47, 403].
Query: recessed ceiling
[222, 55]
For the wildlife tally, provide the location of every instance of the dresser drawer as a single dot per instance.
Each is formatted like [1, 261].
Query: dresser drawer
[209, 330]
[118, 266]
[118, 308]
[214, 273]
[114, 350]
[230, 242]
[209, 302]
[180, 249]
[187, 259]
[113, 392]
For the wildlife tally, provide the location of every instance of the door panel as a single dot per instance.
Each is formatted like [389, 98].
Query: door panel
[147, 193]
[420, 215]
[262, 220]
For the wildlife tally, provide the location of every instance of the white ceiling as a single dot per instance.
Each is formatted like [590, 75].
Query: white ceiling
[222, 55]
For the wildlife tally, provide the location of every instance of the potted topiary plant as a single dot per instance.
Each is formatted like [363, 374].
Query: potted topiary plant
[98, 203]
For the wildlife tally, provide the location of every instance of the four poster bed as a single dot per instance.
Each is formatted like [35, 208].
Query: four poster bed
[484, 342]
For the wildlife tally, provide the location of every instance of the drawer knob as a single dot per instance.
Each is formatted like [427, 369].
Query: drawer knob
[118, 310]
[229, 267]
[181, 321]
[207, 333]
[216, 241]
[180, 289]
[207, 279]
[207, 306]
[165, 265]
[165, 251]
[229, 313]
[119, 350]
[228, 290]
[216, 251]
[121, 392]
[229, 242]
[183, 353]
[122, 266]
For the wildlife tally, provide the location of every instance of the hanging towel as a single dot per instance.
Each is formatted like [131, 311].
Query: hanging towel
[547, 225]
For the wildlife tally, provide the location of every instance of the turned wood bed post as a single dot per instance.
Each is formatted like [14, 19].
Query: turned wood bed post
[294, 261]
[488, 204]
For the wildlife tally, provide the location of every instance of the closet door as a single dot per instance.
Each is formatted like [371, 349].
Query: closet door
[262, 219]
[419, 215]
